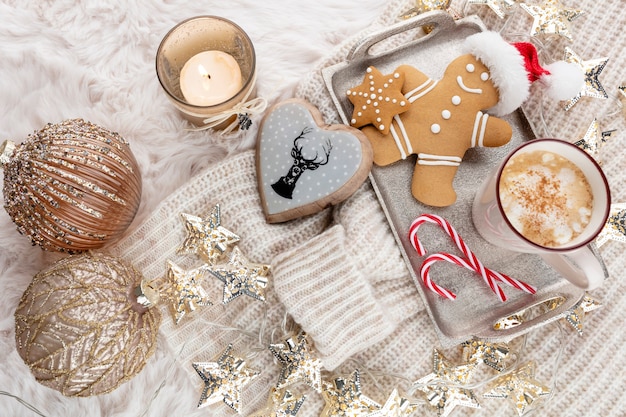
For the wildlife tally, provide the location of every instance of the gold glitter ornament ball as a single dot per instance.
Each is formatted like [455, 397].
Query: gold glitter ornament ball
[72, 186]
[79, 327]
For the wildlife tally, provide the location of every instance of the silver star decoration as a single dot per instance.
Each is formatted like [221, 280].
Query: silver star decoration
[298, 363]
[491, 354]
[520, 387]
[615, 227]
[509, 322]
[207, 237]
[550, 18]
[344, 398]
[185, 290]
[500, 7]
[224, 380]
[423, 6]
[593, 140]
[395, 406]
[443, 387]
[592, 69]
[241, 277]
[281, 404]
[576, 315]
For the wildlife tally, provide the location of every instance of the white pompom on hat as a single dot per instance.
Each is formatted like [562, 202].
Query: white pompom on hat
[515, 66]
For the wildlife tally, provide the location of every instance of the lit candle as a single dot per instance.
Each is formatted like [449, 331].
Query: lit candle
[210, 78]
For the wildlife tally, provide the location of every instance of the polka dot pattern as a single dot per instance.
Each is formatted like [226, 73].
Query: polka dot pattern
[277, 164]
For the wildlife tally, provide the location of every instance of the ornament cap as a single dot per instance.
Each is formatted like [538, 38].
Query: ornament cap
[146, 295]
[6, 151]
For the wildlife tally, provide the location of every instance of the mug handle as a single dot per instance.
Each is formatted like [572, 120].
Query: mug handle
[581, 267]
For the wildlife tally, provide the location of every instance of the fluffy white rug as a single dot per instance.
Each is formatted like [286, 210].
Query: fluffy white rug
[94, 59]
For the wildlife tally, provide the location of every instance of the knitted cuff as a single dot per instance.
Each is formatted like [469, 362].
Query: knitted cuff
[373, 248]
[332, 300]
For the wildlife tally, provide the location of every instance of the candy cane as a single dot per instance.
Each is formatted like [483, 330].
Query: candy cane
[470, 261]
[430, 260]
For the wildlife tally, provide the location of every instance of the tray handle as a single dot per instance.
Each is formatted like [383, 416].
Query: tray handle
[439, 20]
[570, 295]
[569, 299]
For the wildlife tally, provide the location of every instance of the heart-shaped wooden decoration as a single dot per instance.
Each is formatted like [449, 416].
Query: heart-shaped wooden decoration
[303, 165]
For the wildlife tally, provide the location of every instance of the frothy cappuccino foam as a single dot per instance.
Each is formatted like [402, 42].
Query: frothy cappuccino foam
[546, 197]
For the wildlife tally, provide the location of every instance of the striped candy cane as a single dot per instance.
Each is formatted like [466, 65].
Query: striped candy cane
[469, 261]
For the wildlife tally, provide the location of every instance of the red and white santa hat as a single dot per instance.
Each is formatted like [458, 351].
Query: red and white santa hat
[514, 66]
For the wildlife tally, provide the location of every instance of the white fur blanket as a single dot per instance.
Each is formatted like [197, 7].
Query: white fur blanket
[94, 59]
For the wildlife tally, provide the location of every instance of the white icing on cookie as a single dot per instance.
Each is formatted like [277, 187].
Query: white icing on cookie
[402, 136]
[480, 125]
[396, 140]
[430, 159]
[459, 81]
[421, 90]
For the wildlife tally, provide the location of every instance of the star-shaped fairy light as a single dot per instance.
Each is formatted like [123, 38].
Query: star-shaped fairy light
[185, 290]
[377, 99]
[615, 227]
[395, 406]
[423, 6]
[574, 316]
[443, 387]
[224, 379]
[593, 139]
[491, 354]
[551, 18]
[298, 363]
[344, 398]
[520, 387]
[241, 277]
[207, 237]
[501, 8]
[592, 69]
[281, 403]
[509, 322]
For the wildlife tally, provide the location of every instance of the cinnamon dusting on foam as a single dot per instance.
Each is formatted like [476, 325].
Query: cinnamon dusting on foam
[545, 197]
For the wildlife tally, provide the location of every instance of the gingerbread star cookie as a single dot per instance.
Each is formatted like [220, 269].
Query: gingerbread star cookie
[377, 99]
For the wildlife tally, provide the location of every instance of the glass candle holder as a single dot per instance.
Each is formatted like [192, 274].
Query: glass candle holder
[206, 34]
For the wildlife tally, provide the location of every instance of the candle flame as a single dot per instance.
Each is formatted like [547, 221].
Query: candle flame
[202, 71]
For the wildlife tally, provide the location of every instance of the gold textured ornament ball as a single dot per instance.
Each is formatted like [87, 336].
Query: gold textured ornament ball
[72, 186]
[80, 328]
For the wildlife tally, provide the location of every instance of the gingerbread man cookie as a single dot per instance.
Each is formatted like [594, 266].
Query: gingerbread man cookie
[446, 117]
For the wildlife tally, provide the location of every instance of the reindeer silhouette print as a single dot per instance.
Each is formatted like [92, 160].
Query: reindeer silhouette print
[308, 153]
